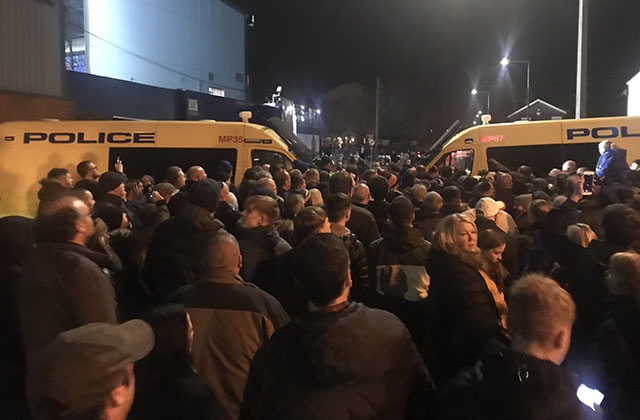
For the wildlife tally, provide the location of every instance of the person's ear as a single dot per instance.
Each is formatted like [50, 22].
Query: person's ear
[348, 282]
[80, 226]
[239, 261]
[122, 394]
[560, 339]
[561, 343]
[118, 396]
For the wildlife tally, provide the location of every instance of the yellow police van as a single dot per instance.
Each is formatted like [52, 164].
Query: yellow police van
[29, 149]
[543, 145]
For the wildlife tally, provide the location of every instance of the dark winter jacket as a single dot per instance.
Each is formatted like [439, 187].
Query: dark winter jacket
[229, 216]
[258, 246]
[276, 277]
[354, 363]
[176, 255]
[397, 263]
[507, 385]
[464, 315]
[232, 319]
[184, 398]
[16, 241]
[363, 225]
[359, 266]
[612, 165]
[50, 189]
[380, 211]
[615, 360]
[106, 199]
[62, 288]
[428, 225]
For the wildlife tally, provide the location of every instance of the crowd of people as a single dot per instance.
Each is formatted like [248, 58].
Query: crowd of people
[358, 292]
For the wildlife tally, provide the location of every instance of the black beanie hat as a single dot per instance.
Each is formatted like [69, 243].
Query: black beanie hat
[111, 180]
[205, 194]
[110, 215]
[89, 185]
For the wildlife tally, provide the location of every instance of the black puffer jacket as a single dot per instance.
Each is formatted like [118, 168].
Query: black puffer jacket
[257, 246]
[62, 287]
[355, 363]
[464, 315]
[176, 254]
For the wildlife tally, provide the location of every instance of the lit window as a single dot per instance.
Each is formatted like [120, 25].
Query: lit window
[216, 92]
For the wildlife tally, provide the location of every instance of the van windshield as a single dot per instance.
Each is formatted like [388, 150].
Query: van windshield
[459, 160]
[260, 157]
[296, 146]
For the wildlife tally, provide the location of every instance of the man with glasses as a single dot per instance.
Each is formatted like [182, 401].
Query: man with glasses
[88, 170]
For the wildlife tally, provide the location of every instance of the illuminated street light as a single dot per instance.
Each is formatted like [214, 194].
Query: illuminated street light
[475, 91]
[505, 62]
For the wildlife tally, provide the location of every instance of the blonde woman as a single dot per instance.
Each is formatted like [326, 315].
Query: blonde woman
[465, 316]
[581, 234]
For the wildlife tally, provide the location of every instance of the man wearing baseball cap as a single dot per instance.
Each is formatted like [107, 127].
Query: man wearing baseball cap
[87, 372]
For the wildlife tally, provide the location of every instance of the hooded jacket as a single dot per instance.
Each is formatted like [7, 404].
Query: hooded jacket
[258, 245]
[355, 363]
[176, 254]
[612, 164]
[397, 262]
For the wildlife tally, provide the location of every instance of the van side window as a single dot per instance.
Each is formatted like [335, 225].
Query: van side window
[139, 161]
[260, 157]
[461, 160]
[542, 158]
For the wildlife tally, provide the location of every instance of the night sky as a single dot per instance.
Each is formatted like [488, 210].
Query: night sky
[431, 53]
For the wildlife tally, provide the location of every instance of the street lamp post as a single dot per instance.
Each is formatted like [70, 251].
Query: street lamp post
[505, 62]
[581, 70]
[475, 91]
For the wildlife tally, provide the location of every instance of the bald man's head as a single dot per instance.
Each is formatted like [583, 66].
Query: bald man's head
[223, 253]
[196, 173]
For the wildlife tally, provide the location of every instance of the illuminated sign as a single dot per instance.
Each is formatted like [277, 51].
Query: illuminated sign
[496, 138]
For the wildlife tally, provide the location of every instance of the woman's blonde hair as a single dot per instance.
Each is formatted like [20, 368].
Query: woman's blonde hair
[445, 240]
[626, 281]
[581, 234]
[315, 198]
[265, 205]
